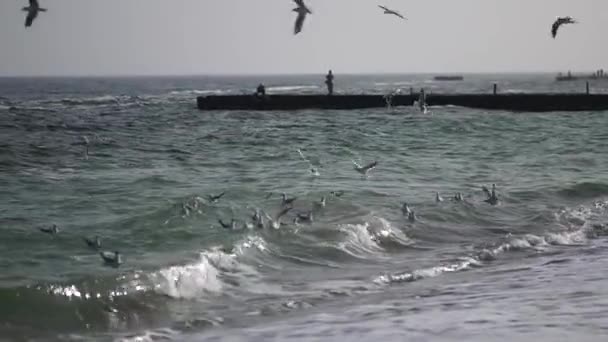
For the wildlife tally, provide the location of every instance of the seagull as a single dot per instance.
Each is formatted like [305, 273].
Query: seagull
[32, 12]
[492, 198]
[485, 189]
[256, 216]
[276, 221]
[231, 225]
[307, 217]
[458, 197]
[365, 169]
[390, 11]
[313, 170]
[438, 197]
[321, 203]
[96, 244]
[51, 230]
[302, 11]
[111, 258]
[287, 201]
[337, 193]
[405, 209]
[258, 220]
[411, 216]
[215, 198]
[559, 22]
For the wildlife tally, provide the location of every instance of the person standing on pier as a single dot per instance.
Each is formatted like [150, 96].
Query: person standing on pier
[329, 81]
[260, 91]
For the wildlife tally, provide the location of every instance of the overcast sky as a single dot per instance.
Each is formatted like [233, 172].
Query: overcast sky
[175, 37]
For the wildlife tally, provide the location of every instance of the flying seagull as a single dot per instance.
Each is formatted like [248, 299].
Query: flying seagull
[215, 198]
[559, 22]
[390, 11]
[275, 222]
[302, 11]
[365, 169]
[231, 225]
[32, 12]
[492, 198]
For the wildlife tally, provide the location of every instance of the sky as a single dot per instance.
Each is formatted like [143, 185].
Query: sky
[204, 37]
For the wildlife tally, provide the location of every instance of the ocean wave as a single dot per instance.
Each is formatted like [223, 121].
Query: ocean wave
[187, 282]
[284, 89]
[430, 272]
[373, 237]
[199, 92]
[585, 190]
[585, 227]
[96, 100]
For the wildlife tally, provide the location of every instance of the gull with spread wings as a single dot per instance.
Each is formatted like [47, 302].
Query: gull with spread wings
[559, 22]
[32, 12]
[302, 11]
[390, 11]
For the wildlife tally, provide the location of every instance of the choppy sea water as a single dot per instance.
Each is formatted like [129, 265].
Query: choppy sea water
[530, 268]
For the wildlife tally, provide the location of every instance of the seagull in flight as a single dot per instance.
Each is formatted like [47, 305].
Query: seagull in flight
[492, 198]
[32, 12]
[302, 11]
[230, 226]
[559, 22]
[365, 169]
[390, 11]
[275, 222]
[215, 198]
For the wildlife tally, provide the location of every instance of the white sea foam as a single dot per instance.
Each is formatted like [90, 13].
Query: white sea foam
[285, 89]
[188, 281]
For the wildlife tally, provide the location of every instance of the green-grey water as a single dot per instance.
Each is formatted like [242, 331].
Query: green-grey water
[530, 268]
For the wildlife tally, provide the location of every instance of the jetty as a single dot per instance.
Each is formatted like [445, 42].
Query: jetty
[516, 102]
[448, 78]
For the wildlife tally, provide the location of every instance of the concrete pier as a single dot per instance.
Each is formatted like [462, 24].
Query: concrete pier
[509, 102]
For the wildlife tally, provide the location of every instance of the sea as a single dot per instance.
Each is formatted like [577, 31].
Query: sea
[131, 160]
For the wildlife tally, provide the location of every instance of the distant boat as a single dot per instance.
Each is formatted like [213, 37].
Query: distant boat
[448, 78]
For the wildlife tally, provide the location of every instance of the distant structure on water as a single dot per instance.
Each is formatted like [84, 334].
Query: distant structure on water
[598, 75]
[448, 78]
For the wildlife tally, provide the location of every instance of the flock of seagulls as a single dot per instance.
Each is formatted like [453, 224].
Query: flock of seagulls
[287, 205]
[260, 219]
[302, 11]
[111, 258]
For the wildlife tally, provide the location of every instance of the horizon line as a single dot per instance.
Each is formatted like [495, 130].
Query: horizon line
[273, 74]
